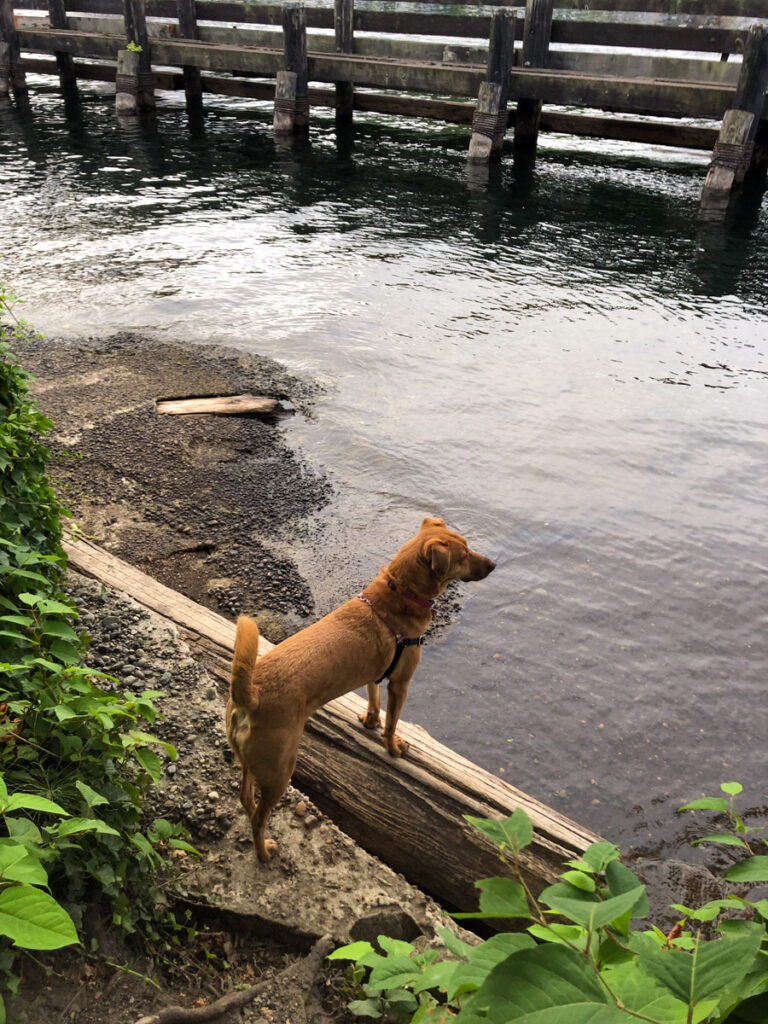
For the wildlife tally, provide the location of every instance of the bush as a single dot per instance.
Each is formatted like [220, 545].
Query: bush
[594, 969]
[74, 759]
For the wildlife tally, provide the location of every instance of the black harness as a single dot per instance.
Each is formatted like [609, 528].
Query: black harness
[401, 642]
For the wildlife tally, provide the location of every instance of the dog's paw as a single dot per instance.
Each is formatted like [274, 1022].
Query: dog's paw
[371, 721]
[270, 847]
[396, 746]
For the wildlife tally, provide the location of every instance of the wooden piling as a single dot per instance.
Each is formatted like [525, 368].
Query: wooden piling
[127, 82]
[536, 36]
[5, 69]
[343, 20]
[735, 148]
[292, 85]
[136, 30]
[11, 67]
[193, 83]
[57, 13]
[489, 122]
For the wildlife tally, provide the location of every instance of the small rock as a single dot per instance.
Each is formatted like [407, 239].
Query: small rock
[300, 809]
[213, 796]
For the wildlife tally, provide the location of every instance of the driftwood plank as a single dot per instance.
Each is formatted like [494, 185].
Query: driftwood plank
[228, 405]
[410, 811]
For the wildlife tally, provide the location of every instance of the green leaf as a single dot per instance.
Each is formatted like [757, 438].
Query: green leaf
[77, 825]
[580, 880]
[641, 994]
[30, 802]
[18, 620]
[548, 984]
[732, 788]
[752, 869]
[18, 865]
[437, 976]
[366, 1008]
[500, 897]
[91, 797]
[54, 627]
[591, 914]
[707, 803]
[706, 972]
[354, 951]
[395, 947]
[392, 972]
[470, 976]
[149, 761]
[725, 838]
[598, 855]
[513, 833]
[454, 944]
[66, 652]
[34, 920]
[620, 880]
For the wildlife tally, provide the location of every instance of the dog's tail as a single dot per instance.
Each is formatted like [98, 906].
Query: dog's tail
[246, 651]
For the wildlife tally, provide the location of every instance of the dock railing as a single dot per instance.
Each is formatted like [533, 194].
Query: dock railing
[657, 64]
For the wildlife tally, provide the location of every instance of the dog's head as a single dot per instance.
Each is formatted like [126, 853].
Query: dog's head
[436, 557]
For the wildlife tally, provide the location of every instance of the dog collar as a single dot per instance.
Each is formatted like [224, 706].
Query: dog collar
[401, 642]
[423, 601]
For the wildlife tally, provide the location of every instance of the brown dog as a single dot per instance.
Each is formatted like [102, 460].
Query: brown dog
[375, 635]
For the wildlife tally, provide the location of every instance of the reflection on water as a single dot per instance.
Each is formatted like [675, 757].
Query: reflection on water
[569, 367]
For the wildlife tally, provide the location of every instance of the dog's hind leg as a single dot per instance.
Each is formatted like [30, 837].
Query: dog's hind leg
[372, 717]
[246, 793]
[270, 791]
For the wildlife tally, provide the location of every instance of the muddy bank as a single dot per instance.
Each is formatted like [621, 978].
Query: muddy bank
[209, 505]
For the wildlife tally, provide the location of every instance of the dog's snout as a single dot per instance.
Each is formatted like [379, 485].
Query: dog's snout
[491, 565]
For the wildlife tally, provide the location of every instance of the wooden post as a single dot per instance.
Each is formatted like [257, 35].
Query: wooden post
[11, 67]
[292, 88]
[136, 30]
[57, 13]
[489, 122]
[536, 36]
[734, 149]
[343, 20]
[127, 82]
[5, 69]
[193, 83]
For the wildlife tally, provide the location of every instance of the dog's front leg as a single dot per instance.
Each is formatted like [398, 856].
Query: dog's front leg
[372, 717]
[396, 694]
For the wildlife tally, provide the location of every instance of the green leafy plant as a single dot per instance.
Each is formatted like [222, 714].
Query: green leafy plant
[133, 47]
[68, 746]
[584, 957]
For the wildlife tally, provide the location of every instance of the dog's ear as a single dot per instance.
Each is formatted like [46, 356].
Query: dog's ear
[438, 555]
[429, 521]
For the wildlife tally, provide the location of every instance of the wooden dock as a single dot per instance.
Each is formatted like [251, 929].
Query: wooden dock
[673, 61]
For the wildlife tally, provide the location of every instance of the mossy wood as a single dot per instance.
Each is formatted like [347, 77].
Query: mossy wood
[409, 812]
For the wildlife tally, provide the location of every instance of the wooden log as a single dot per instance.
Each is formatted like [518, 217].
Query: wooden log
[733, 152]
[12, 69]
[127, 82]
[136, 32]
[295, 57]
[227, 405]
[193, 88]
[408, 811]
[57, 14]
[536, 36]
[344, 26]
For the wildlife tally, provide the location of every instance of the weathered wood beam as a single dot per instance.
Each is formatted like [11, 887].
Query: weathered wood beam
[641, 96]
[489, 123]
[127, 82]
[657, 133]
[344, 42]
[734, 148]
[12, 69]
[226, 405]
[536, 36]
[193, 89]
[410, 811]
[291, 92]
[136, 32]
[57, 14]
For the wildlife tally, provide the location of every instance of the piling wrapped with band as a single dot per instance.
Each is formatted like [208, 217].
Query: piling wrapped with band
[126, 84]
[492, 126]
[737, 156]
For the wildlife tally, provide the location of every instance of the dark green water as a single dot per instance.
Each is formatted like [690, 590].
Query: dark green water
[572, 370]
